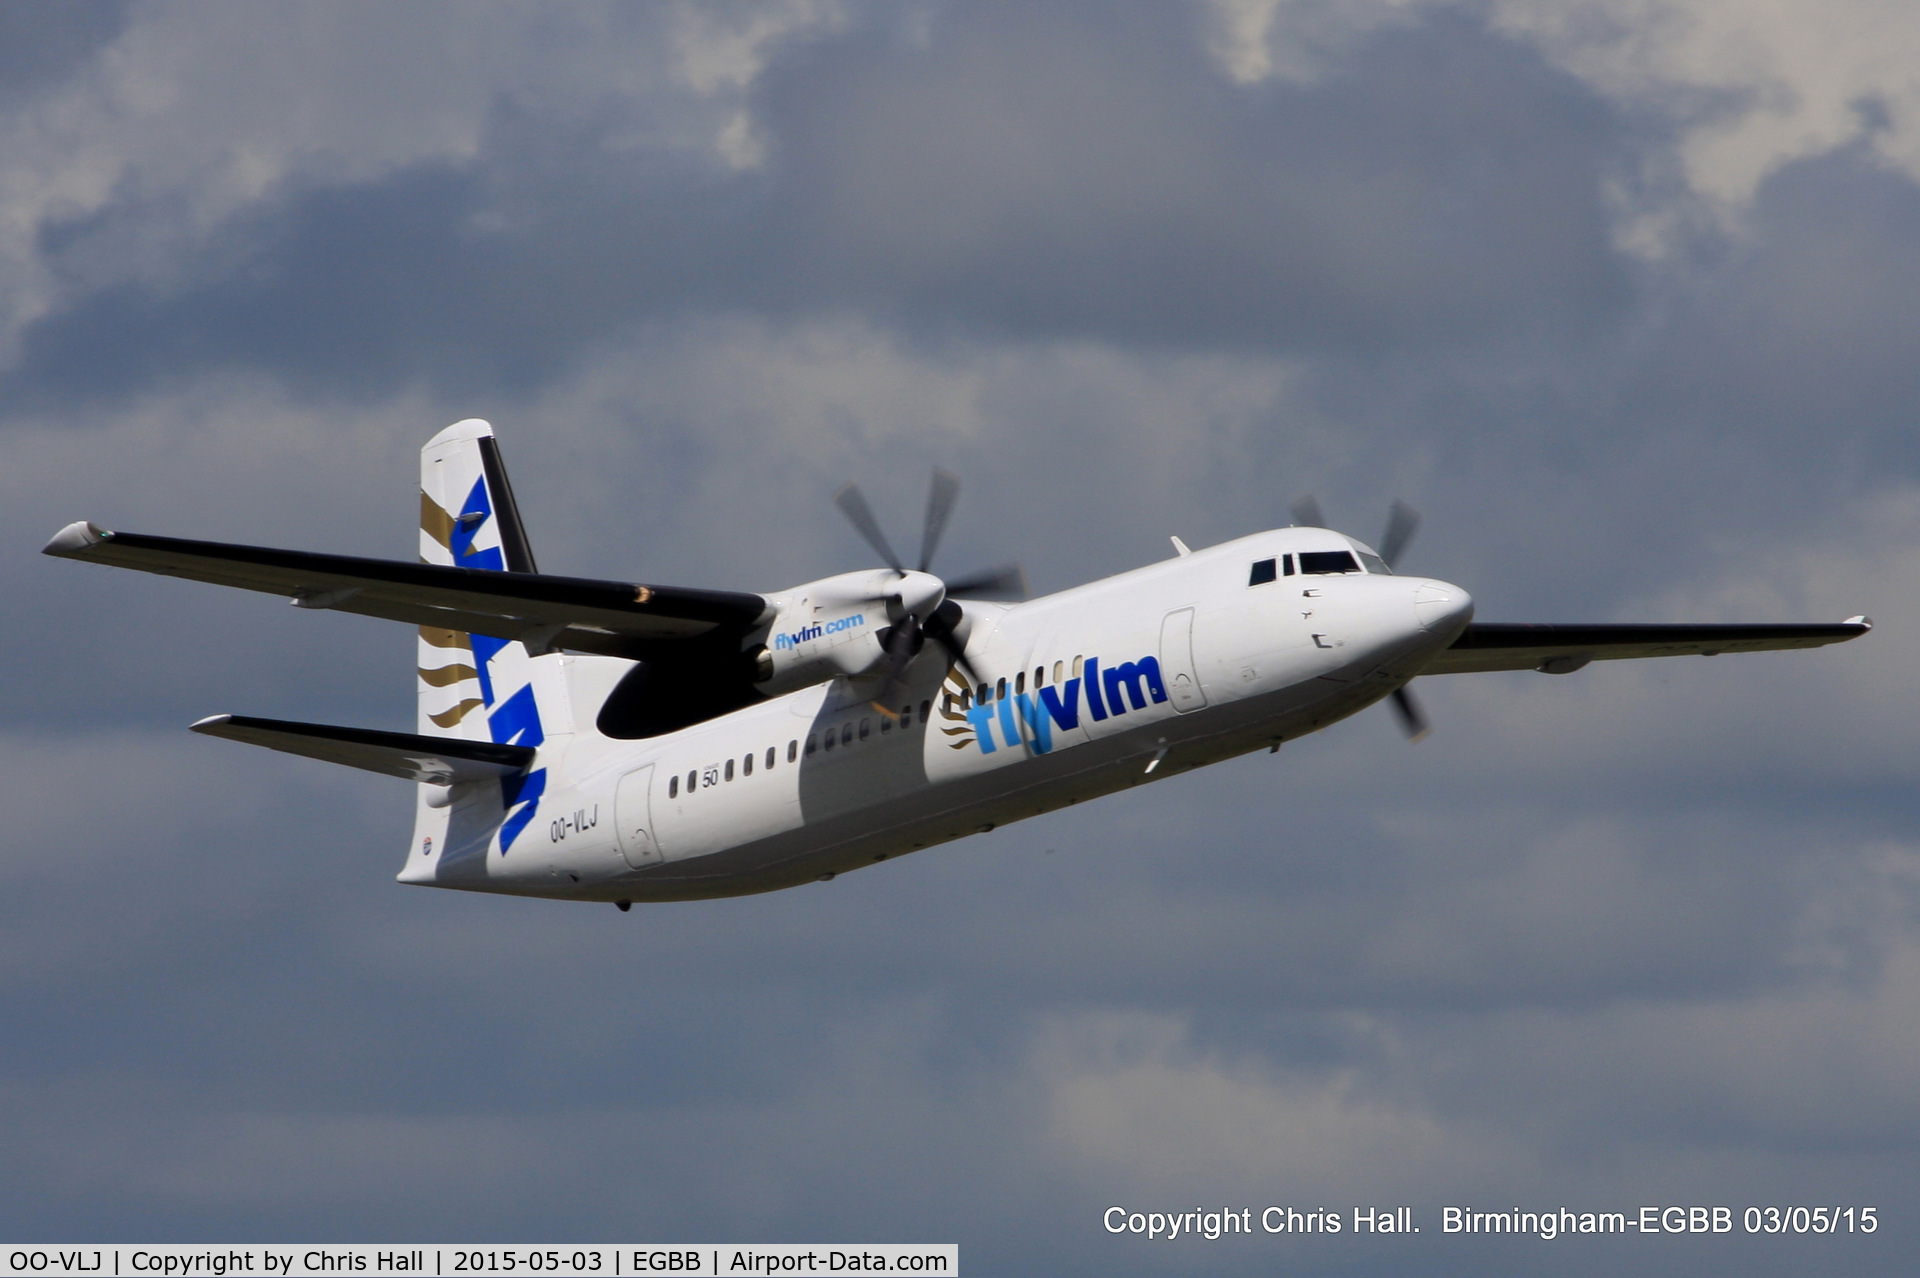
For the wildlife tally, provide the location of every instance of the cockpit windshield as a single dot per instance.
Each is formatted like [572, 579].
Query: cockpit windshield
[1326, 561]
[1375, 564]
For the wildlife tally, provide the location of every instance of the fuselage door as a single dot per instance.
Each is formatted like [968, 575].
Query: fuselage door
[1176, 661]
[635, 816]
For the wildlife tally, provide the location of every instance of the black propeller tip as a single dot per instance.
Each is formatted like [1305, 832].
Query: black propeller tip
[1008, 581]
[1402, 522]
[853, 504]
[1413, 720]
[941, 496]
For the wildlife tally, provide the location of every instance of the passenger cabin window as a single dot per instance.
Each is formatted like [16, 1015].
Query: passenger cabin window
[926, 708]
[886, 723]
[746, 766]
[846, 735]
[863, 729]
[729, 769]
[691, 777]
[770, 756]
[826, 738]
[1314, 562]
[1019, 683]
[809, 745]
[673, 786]
[794, 746]
[1264, 570]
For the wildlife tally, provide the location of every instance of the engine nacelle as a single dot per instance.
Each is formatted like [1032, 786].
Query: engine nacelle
[837, 626]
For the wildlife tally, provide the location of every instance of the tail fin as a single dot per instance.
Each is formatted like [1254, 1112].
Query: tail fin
[468, 519]
[471, 686]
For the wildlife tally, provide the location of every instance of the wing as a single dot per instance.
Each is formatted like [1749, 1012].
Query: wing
[436, 760]
[1558, 649]
[545, 612]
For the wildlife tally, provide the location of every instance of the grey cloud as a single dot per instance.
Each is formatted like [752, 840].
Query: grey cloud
[41, 44]
[1061, 176]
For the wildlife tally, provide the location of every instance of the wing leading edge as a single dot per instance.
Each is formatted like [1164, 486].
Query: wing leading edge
[1559, 649]
[538, 609]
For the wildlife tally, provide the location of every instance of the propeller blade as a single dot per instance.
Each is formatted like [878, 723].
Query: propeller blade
[1008, 581]
[1413, 721]
[905, 638]
[939, 628]
[953, 650]
[1306, 513]
[1402, 521]
[940, 499]
[854, 506]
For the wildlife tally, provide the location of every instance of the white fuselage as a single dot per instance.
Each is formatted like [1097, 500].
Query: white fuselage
[1125, 680]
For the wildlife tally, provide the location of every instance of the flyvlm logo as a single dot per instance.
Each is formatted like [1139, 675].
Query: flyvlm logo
[1106, 692]
[806, 633]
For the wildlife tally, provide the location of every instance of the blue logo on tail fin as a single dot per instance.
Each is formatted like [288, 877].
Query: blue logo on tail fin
[473, 516]
[517, 722]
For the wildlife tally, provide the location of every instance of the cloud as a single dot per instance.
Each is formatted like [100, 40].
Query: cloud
[1101, 193]
[1739, 90]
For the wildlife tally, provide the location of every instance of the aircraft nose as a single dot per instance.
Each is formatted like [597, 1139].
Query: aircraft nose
[1442, 608]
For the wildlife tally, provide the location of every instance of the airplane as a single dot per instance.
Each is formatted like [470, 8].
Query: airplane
[614, 741]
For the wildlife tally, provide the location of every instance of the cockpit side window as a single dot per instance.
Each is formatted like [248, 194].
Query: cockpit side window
[1325, 561]
[1375, 564]
[1264, 570]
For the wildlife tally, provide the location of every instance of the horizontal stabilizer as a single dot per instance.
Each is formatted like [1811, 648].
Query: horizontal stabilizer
[1557, 649]
[435, 760]
[538, 609]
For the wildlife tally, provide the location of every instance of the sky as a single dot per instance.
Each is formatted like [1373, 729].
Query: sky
[1623, 295]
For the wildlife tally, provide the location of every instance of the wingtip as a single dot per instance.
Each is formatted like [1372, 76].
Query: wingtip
[76, 538]
[209, 723]
[1864, 622]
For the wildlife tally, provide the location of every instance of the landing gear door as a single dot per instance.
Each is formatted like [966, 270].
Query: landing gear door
[1176, 661]
[634, 814]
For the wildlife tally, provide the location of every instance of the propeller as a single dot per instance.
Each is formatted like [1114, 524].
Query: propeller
[1402, 522]
[908, 634]
[1413, 720]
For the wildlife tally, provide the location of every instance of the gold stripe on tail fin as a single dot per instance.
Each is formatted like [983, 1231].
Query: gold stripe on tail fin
[448, 718]
[447, 676]
[435, 522]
